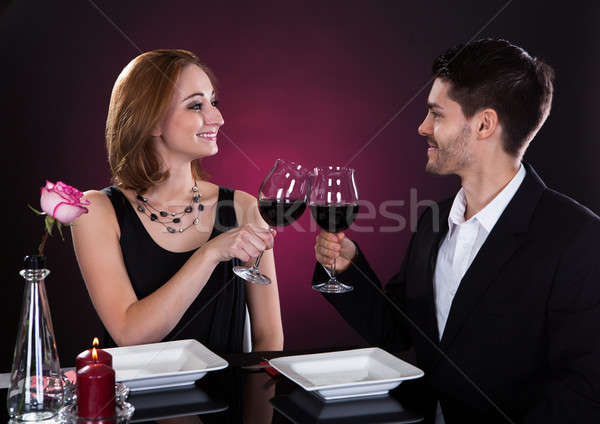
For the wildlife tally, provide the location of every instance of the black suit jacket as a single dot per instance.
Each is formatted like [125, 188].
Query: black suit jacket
[523, 332]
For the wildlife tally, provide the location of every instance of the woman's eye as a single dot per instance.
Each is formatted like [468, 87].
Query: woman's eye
[196, 106]
[214, 103]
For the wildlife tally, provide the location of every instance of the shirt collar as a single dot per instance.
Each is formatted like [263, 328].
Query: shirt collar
[490, 214]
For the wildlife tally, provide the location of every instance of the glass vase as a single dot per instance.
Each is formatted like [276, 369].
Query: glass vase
[36, 386]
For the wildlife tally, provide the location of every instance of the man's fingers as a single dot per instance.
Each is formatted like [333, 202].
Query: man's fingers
[328, 253]
[324, 260]
[324, 235]
[330, 245]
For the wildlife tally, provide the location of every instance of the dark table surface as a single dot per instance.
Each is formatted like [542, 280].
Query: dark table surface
[241, 395]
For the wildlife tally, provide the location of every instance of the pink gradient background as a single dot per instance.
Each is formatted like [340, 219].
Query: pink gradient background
[310, 82]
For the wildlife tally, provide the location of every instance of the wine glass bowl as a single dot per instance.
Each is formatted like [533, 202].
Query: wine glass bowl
[282, 199]
[334, 205]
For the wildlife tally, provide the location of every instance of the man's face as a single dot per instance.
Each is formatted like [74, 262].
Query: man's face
[447, 131]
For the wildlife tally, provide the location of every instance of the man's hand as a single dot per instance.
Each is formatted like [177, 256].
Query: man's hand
[329, 246]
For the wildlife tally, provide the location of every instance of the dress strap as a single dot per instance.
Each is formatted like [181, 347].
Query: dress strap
[119, 202]
[225, 218]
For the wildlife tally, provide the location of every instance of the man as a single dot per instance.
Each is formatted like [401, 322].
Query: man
[502, 304]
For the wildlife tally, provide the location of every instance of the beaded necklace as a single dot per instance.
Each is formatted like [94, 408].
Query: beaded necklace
[146, 208]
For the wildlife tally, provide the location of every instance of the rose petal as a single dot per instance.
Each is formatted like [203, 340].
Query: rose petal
[66, 213]
[49, 200]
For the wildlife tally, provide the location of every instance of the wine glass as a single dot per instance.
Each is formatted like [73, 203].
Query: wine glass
[282, 199]
[333, 204]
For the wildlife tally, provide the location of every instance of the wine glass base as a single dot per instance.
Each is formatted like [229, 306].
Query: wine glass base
[252, 275]
[333, 287]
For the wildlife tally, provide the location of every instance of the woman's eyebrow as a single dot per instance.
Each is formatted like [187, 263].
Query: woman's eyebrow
[197, 94]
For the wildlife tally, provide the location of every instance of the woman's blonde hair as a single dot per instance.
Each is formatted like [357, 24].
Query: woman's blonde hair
[139, 100]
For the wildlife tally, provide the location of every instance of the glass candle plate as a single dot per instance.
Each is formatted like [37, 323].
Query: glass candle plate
[123, 413]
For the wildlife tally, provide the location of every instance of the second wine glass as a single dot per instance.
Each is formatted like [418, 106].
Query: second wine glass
[282, 199]
[334, 205]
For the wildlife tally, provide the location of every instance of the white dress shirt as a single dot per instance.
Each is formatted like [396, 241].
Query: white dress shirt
[463, 241]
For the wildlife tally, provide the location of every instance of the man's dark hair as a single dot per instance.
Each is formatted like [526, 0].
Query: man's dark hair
[499, 75]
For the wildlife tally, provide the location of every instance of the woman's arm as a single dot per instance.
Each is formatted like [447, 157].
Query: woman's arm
[263, 301]
[130, 320]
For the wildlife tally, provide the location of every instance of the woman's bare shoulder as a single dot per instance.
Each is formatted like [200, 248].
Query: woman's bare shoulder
[246, 208]
[244, 199]
[100, 210]
[99, 201]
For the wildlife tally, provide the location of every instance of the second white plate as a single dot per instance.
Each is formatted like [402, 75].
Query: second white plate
[163, 365]
[347, 374]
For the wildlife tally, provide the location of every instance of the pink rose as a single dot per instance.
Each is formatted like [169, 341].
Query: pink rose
[62, 202]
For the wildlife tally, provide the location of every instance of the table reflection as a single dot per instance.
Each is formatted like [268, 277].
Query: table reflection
[174, 406]
[301, 406]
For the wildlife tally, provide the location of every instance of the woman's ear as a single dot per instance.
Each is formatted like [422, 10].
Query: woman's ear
[487, 124]
[156, 132]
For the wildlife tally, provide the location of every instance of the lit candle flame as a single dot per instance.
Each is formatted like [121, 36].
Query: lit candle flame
[94, 354]
[96, 342]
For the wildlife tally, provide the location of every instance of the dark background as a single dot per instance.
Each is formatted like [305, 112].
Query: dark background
[308, 81]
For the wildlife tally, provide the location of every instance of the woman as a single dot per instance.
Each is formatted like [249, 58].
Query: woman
[156, 249]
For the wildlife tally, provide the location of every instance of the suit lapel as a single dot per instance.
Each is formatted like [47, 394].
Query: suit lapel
[506, 237]
[433, 253]
[422, 306]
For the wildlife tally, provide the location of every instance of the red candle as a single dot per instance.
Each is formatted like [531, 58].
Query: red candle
[96, 391]
[85, 357]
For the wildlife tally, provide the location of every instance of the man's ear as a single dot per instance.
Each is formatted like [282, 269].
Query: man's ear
[487, 123]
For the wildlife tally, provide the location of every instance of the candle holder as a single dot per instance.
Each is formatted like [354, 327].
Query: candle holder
[123, 413]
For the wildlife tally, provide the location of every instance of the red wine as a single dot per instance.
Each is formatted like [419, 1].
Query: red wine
[334, 218]
[281, 212]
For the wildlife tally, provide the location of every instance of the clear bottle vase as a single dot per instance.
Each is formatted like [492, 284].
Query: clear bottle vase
[36, 386]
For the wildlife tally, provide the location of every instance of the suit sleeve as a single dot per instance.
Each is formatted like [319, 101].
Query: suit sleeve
[570, 391]
[377, 319]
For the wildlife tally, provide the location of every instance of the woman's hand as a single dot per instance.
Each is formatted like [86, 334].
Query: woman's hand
[245, 243]
[334, 246]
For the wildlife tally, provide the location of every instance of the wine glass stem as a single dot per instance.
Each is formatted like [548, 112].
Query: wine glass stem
[257, 262]
[332, 276]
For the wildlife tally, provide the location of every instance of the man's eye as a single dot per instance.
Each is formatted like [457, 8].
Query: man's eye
[214, 103]
[435, 114]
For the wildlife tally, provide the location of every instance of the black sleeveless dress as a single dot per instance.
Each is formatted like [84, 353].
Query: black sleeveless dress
[216, 317]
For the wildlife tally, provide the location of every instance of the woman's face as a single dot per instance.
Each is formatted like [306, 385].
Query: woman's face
[189, 129]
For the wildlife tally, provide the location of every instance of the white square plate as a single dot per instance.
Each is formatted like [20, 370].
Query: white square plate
[347, 374]
[161, 365]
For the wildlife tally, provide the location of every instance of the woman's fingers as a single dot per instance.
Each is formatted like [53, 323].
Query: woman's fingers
[251, 239]
[262, 238]
[241, 254]
[251, 251]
